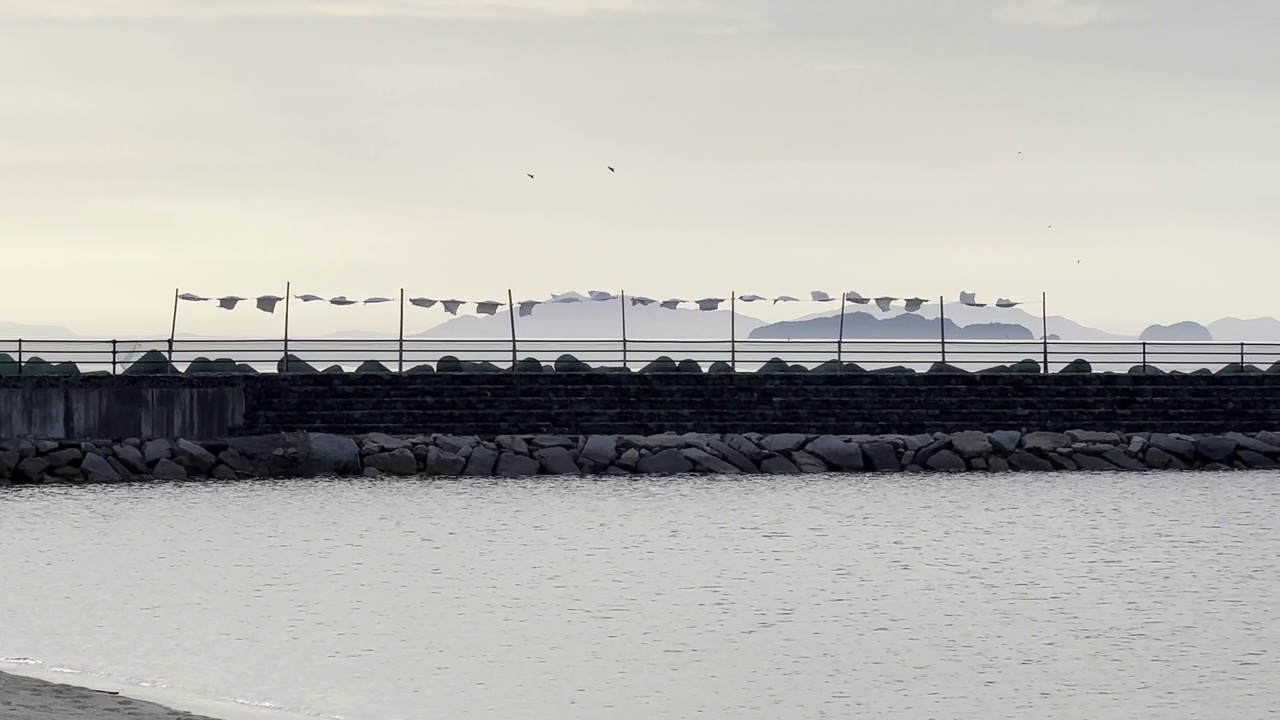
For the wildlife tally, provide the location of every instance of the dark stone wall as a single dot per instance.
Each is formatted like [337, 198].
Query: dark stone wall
[119, 407]
[600, 403]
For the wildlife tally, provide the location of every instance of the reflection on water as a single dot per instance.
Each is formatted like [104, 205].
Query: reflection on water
[1057, 596]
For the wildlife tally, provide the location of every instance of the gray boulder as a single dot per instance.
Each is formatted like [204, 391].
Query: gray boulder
[1093, 464]
[439, 463]
[1024, 461]
[557, 461]
[785, 443]
[193, 457]
[808, 464]
[666, 462]
[837, 453]
[881, 457]
[599, 452]
[1269, 438]
[512, 465]
[167, 469]
[1179, 446]
[154, 450]
[483, 461]
[97, 469]
[131, 458]
[377, 442]
[396, 462]
[707, 462]
[778, 465]
[235, 461]
[1092, 438]
[923, 455]
[512, 443]
[1216, 449]
[456, 444]
[1161, 460]
[9, 460]
[63, 458]
[628, 460]
[970, 445]
[1005, 442]
[945, 461]
[1062, 462]
[1043, 443]
[326, 455]
[1122, 460]
[745, 446]
[1256, 461]
[735, 458]
[1244, 442]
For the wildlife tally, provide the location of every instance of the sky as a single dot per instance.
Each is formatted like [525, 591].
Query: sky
[1118, 155]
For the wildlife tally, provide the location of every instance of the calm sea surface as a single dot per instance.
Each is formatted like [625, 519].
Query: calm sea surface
[1056, 596]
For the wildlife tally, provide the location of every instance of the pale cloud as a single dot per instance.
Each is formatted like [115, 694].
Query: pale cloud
[428, 9]
[1055, 13]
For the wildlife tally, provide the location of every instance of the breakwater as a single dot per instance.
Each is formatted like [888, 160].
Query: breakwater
[317, 455]
[488, 404]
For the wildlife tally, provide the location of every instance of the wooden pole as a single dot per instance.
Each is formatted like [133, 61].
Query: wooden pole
[733, 330]
[623, 298]
[173, 330]
[844, 299]
[942, 326]
[1044, 328]
[400, 345]
[511, 309]
[288, 298]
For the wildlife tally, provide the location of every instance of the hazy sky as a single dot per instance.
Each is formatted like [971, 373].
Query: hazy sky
[765, 146]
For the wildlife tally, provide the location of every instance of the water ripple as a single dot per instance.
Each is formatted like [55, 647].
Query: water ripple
[1057, 596]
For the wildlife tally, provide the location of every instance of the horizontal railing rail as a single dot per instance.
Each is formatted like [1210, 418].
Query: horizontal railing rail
[115, 356]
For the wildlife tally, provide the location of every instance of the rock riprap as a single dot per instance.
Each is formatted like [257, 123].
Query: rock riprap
[292, 455]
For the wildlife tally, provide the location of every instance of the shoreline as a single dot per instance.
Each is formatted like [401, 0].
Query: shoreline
[304, 455]
[28, 697]
[30, 691]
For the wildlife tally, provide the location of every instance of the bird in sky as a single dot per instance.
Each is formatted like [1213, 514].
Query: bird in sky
[530, 175]
[612, 170]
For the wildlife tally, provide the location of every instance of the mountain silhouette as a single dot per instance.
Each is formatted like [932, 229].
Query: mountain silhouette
[1177, 332]
[966, 315]
[865, 326]
[1263, 329]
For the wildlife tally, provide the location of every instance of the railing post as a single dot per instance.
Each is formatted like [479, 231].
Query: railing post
[733, 330]
[1242, 357]
[19, 356]
[113, 357]
[169, 369]
[1144, 357]
[942, 326]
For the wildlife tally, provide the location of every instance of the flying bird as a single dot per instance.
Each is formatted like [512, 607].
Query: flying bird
[612, 170]
[530, 175]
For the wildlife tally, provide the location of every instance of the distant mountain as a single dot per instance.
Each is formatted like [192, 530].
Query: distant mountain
[1178, 332]
[966, 315]
[865, 326]
[1263, 329]
[15, 331]
[596, 320]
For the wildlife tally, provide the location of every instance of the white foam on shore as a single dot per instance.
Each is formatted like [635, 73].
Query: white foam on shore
[224, 708]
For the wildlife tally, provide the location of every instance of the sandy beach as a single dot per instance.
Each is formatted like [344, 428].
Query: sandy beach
[23, 698]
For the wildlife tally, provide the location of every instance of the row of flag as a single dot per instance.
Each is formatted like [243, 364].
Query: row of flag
[268, 303]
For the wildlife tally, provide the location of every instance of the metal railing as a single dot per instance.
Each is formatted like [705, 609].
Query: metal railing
[27, 356]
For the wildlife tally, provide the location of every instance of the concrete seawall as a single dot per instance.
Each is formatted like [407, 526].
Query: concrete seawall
[590, 403]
